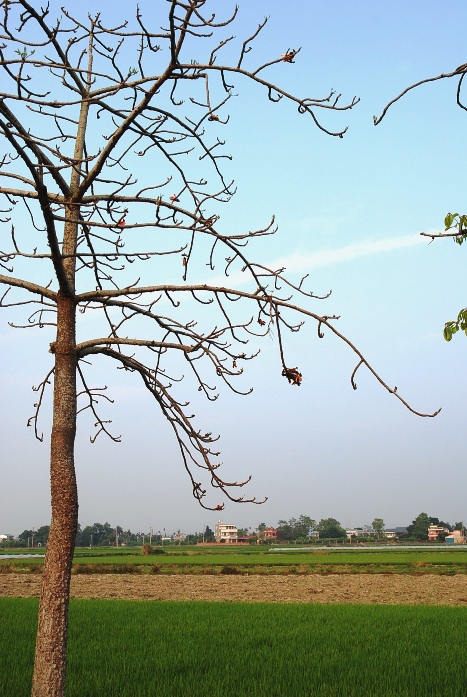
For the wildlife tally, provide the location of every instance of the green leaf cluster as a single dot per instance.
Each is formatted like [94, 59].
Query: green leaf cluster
[23, 54]
[453, 326]
[454, 220]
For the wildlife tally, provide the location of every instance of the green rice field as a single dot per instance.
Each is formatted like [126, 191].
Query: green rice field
[254, 560]
[139, 649]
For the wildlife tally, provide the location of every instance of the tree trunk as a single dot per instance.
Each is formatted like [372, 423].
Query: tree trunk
[50, 659]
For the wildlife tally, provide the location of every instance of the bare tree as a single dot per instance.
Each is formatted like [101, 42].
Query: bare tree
[81, 103]
[455, 224]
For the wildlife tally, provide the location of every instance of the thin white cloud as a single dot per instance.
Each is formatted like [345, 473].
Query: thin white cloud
[355, 250]
[305, 263]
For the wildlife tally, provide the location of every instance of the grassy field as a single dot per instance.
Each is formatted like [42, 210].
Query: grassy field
[136, 649]
[254, 560]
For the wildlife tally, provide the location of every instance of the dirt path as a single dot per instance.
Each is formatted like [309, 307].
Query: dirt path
[378, 588]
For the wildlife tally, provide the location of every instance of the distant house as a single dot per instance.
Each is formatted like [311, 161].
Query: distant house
[269, 534]
[246, 539]
[178, 537]
[266, 535]
[394, 532]
[456, 538]
[225, 533]
[3, 538]
[357, 532]
[367, 531]
[434, 531]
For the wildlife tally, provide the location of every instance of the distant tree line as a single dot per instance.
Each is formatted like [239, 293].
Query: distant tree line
[304, 528]
[106, 535]
[301, 530]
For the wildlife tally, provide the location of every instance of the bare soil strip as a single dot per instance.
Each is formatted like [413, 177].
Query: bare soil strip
[396, 589]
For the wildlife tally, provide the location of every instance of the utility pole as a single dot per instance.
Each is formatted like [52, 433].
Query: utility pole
[116, 535]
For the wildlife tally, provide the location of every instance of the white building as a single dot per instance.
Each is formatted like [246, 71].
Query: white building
[357, 532]
[225, 533]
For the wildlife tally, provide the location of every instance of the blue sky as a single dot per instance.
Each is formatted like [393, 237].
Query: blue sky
[350, 212]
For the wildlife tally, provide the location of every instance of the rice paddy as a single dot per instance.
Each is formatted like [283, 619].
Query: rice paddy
[136, 649]
[251, 560]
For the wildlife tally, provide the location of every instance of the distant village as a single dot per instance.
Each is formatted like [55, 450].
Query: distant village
[301, 530]
[229, 534]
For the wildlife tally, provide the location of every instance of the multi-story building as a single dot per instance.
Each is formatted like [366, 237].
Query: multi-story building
[269, 534]
[225, 533]
[434, 531]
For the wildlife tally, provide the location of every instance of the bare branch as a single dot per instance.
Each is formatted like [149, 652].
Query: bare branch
[461, 70]
[33, 420]
[29, 286]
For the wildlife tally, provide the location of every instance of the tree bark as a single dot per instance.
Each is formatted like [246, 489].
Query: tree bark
[50, 659]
